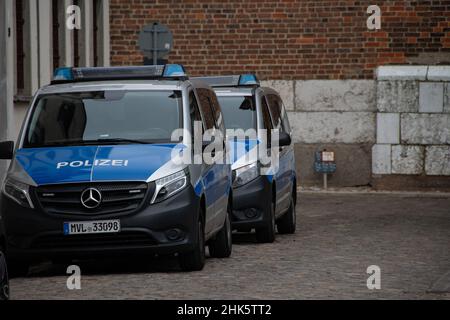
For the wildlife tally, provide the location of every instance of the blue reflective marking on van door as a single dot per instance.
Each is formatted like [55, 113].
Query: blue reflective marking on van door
[198, 188]
[208, 181]
[283, 176]
[240, 147]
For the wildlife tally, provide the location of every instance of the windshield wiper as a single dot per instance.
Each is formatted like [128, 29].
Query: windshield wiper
[90, 142]
[120, 140]
[95, 142]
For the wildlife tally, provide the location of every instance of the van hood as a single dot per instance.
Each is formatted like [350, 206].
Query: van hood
[93, 163]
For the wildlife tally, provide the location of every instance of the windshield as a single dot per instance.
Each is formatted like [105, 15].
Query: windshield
[238, 111]
[104, 117]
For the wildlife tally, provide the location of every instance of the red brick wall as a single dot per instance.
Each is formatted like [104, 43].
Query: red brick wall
[286, 39]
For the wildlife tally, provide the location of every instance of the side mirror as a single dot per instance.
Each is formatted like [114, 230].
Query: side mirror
[6, 150]
[285, 139]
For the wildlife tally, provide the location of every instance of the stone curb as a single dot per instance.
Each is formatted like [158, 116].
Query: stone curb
[361, 191]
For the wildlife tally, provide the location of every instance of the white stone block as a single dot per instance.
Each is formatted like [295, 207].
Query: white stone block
[407, 159]
[335, 95]
[402, 72]
[437, 161]
[381, 159]
[398, 96]
[431, 97]
[439, 73]
[425, 128]
[333, 127]
[286, 90]
[388, 128]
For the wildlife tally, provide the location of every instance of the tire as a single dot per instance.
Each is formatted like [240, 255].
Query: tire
[287, 223]
[4, 279]
[266, 234]
[195, 260]
[222, 245]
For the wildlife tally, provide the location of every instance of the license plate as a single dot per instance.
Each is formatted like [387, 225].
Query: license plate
[92, 227]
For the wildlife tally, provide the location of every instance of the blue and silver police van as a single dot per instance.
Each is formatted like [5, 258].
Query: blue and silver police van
[92, 171]
[261, 202]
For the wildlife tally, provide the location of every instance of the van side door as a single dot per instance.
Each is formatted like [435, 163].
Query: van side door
[284, 174]
[222, 168]
[209, 171]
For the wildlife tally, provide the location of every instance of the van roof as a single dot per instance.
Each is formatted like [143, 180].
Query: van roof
[115, 85]
[240, 80]
[234, 91]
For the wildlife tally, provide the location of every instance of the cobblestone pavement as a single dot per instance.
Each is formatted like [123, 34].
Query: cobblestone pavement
[338, 237]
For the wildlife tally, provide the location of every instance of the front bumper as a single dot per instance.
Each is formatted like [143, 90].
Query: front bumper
[251, 204]
[34, 234]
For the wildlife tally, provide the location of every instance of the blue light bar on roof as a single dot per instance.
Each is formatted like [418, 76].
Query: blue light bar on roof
[112, 73]
[62, 74]
[248, 79]
[174, 70]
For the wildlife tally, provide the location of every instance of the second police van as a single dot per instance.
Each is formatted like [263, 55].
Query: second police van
[260, 202]
[92, 174]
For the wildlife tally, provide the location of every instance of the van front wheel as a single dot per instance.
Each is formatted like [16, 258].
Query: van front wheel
[266, 234]
[287, 223]
[222, 245]
[195, 260]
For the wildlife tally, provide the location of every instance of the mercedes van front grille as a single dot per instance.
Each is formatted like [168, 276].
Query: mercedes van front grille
[93, 198]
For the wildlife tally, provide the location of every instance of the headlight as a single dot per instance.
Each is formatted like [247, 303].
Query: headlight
[18, 192]
[168, 186]
[245, 174]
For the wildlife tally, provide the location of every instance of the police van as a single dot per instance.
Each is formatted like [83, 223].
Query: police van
[92, 171]
[260, 202]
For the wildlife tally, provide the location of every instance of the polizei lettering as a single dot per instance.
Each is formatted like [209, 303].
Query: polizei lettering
[95, 163]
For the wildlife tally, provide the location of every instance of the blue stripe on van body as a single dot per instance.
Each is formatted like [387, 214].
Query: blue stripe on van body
[240, 147]
[143, 160]
[41, 164]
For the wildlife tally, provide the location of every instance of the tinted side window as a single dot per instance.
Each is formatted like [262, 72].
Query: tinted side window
[206, 108]
[266, 119]
[286, 124]
[194, 110]
[275, 111]
[217, 112]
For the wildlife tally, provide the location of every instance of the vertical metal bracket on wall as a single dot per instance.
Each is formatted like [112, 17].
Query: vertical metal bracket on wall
[155, 41]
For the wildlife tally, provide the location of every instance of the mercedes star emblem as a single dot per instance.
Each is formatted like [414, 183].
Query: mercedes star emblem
[91, 198]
